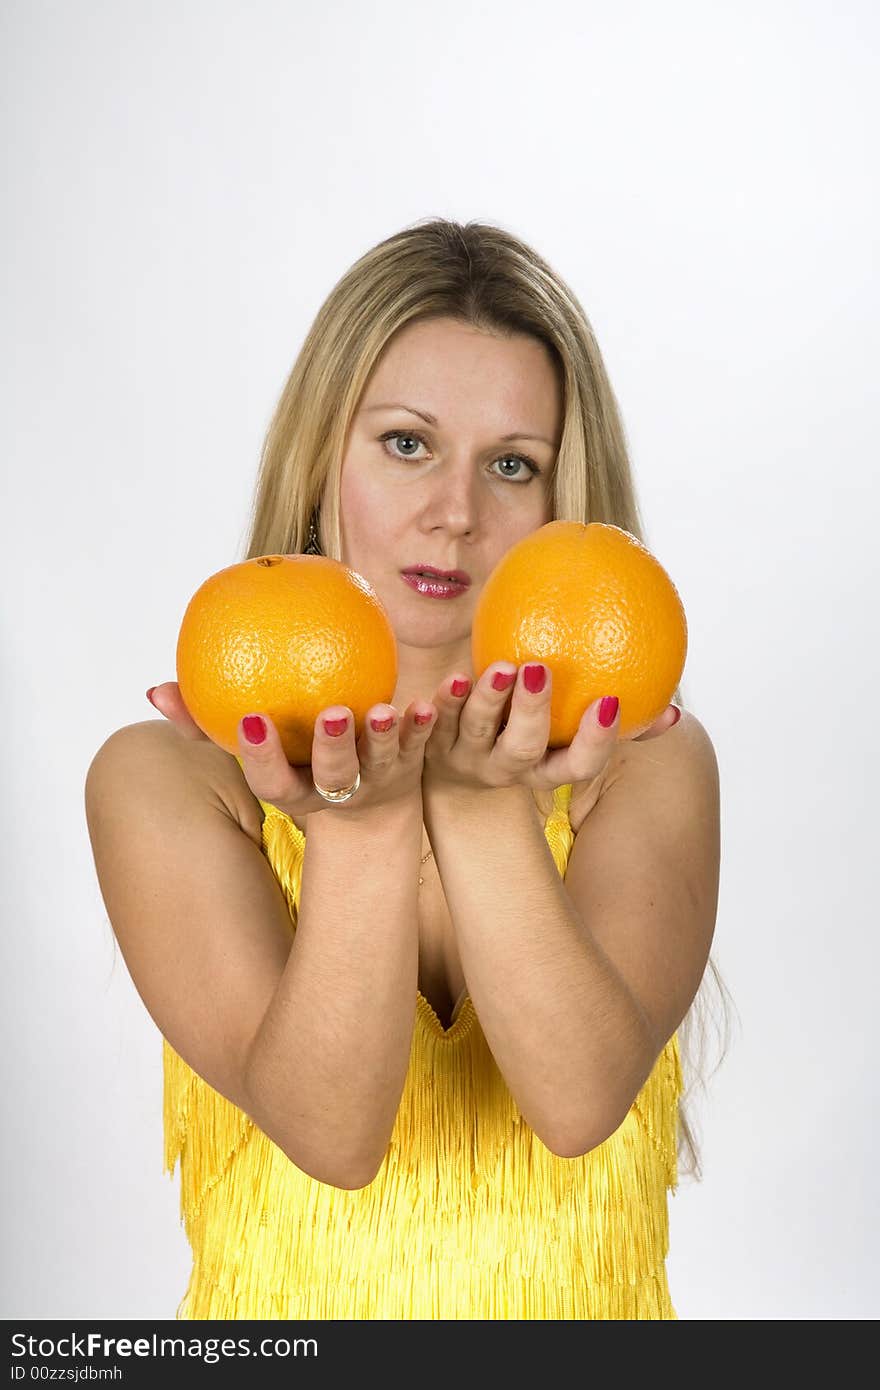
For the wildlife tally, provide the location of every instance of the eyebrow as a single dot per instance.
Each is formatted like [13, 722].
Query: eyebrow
[431, 420]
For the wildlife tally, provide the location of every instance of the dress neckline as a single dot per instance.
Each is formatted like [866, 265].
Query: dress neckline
[459, 1027]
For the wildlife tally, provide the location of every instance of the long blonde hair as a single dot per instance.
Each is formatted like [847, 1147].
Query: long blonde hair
[487, 278]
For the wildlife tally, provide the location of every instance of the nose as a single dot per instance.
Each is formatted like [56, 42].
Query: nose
[454, 501]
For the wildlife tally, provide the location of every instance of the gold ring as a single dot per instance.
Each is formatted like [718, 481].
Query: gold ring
[342, 794]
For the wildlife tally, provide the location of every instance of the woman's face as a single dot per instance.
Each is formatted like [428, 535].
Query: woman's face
[454, 493]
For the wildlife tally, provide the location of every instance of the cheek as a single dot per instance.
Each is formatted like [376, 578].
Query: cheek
[365, 511]
[354, 490]
[524, 523]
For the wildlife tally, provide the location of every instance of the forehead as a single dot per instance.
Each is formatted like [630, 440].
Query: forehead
[448, 368]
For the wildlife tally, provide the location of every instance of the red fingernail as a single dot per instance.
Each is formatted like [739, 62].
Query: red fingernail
[534, 679]
[150, 697]
[677, 716]
[460, 687]
[422, 718]
[381, 726]
[608, 710]
[502, 680]
[335, 727]
[254, 728]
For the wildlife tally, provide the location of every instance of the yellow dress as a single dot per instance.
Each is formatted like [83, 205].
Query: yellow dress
[470, 1215]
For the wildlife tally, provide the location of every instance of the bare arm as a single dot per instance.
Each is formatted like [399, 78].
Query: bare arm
[330, 1058]
[309, 1036]
[578, 985]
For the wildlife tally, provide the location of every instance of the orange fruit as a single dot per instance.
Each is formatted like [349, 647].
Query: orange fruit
[593, 603]
[286, 636]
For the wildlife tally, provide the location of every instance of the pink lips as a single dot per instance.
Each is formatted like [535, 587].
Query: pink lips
[434, 583]
[459, 576]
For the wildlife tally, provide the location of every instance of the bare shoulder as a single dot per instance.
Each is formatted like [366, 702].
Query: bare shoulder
[159, 751]
[201, 920]
[688, 740]
[683, 757]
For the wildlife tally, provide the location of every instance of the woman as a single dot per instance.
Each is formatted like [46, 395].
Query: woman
[478, 1118]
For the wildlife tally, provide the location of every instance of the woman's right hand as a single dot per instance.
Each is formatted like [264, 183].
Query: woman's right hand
[388, 755]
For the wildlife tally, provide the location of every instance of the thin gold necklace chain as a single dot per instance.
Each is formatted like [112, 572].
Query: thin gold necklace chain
[425, 858]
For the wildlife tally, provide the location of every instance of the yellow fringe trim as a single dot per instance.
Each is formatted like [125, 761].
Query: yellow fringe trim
[470, 1216]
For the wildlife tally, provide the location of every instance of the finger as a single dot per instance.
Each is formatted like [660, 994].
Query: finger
[264, 763]
[667, 720]
[589, 751]
[338, 758]
[388, 735]
[449, 701]
[167, 699]
[524, 741]
[416, 727]
[484, 709]
[378, 746]
[334, 752]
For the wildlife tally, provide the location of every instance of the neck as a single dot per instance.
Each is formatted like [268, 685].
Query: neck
[422, 669]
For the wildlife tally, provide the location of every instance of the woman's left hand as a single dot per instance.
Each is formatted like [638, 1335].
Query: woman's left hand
[466, 749]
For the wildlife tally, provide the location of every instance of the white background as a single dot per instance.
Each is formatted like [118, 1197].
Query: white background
[185, 183]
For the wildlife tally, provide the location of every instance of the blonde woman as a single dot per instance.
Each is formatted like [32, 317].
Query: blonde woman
[420, 1001]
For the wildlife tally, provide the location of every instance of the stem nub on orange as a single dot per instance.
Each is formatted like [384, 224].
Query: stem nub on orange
[593, 604]
[286, 636]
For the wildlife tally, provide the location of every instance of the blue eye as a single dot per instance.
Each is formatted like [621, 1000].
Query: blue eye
[526, 471]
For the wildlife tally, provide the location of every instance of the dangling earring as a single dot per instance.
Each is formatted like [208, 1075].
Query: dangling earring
[313, 545]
